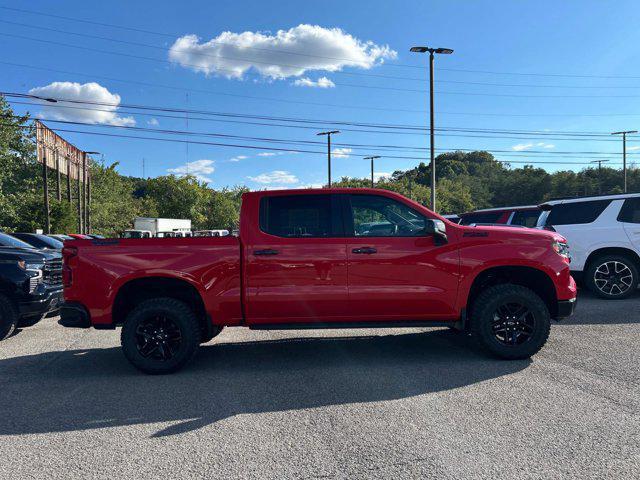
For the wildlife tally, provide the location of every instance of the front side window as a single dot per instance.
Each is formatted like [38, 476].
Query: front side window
[575, 213]
[292, 216]
[630, 211]
[378, 216]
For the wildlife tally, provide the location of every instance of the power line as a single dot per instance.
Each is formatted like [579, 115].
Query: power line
[422, 91]
[363, 74]
[413, 128]
[322, 104]
[175, 35]
[528, 154]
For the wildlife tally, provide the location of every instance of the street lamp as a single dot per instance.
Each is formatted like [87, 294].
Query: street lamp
[328, 134]
[432, 52]
[624, 154]
[372, 158]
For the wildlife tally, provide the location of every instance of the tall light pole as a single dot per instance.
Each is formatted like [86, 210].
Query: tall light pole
[372, 158]
[328, 134]
[432, 52]
[624, 154]
[599, 174]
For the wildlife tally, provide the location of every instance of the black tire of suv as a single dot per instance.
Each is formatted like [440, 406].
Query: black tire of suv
[8, 317]
[590, 272]
[486, 305]
[179, 314]
[208, 336]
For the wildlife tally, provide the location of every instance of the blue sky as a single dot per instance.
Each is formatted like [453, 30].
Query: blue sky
[576, 44]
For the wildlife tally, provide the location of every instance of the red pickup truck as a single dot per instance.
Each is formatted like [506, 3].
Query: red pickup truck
[321, 258]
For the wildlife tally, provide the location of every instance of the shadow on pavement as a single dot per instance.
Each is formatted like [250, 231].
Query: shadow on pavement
[85, 389]
[593, 310]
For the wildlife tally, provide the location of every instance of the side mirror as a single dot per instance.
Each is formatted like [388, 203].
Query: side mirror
[436, 228]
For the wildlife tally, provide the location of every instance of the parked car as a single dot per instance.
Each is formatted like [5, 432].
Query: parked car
[452, 218]
[30, 287]
[604, 235]
[525, 216]
[79, 236]
[39, 241]
[96, 236]
[211, 233]
[7, 240]
[300, 262]
[136, 234]
[61, 237]
[165, 235]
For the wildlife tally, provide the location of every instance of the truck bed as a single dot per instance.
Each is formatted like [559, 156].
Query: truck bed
[211, 265]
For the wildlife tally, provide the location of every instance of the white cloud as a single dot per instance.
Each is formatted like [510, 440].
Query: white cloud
[90, 92]
[237, 158]
[267, 154]
[379, 175]
[340, 152]
[153, 122]
[287, 53]
[280, 177]
[527, 146]
[201, 169]
[322, 82]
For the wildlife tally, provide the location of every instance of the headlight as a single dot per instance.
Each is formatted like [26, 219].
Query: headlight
[561, 249]
[31, 266]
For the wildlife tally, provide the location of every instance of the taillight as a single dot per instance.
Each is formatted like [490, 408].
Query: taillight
[67, 254]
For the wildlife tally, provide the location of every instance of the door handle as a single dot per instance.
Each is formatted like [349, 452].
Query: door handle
[266, 251]
[365, 250]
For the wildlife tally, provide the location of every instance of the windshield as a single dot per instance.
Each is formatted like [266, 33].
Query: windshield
[39, 241]
[9, 241]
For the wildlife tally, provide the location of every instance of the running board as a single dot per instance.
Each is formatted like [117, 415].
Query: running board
[335, 325]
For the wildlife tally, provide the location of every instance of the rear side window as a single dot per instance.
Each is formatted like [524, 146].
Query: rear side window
[576, 212]
[480, 217]
[526, 218]
[630, 211]
[310, 216]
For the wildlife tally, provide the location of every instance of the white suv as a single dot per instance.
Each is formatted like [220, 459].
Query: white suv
[604, 239]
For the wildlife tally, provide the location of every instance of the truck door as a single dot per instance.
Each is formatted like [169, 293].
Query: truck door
[296, 260]
[396, 271]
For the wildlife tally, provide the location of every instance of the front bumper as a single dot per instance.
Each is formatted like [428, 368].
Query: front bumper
[42, 301]
[74, 315]
[566, 308]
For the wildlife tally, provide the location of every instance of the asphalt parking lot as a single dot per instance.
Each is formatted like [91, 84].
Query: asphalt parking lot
[328, 404]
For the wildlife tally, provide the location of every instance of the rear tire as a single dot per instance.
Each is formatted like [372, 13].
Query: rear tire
[612, 277]
[160, 335]
[510, 321]
[8, 317]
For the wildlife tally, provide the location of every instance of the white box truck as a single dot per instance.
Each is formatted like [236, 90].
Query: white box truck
[176, 227]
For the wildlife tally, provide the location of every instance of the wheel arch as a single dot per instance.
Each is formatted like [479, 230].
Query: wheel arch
[533, 278]
[136, 290]
[623, 251]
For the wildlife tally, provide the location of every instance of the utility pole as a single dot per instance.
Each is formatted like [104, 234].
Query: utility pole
[87, 186]
[79, 198]
[599, 174]
[45, 185]
[432, 51]
[624, 154]
[58, 193]
[328, 134]
[372, 158]
[69, 180]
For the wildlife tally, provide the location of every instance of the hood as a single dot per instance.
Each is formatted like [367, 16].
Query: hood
[516, 232]
[27, 254]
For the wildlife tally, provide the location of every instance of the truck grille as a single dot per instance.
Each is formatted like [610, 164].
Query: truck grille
[52, 272]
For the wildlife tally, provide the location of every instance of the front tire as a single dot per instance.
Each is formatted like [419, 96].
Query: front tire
[612, 277]
[8, 317]
[510, 321]
[160, 335]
